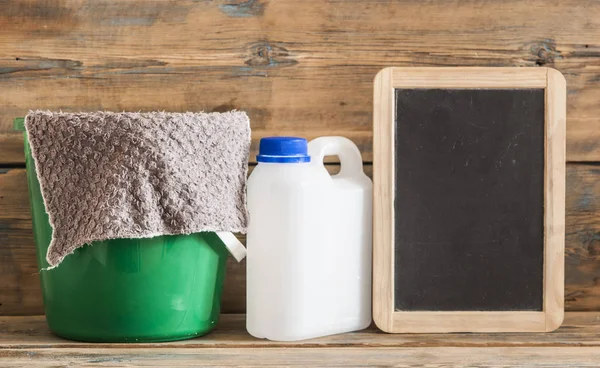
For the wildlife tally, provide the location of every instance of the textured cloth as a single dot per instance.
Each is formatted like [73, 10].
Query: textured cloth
[107, 175]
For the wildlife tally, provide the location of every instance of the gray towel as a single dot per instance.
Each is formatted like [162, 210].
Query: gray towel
[108, 175]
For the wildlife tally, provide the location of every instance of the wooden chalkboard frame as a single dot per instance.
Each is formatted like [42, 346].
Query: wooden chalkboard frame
[384, 314]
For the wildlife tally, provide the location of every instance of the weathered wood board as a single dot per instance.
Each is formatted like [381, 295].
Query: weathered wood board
[26, 342]
[19, 284]
[296, 67]
[437, 357]
[582, 250]
[578, 329]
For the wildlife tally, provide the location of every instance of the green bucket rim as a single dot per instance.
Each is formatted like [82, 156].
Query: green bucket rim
[19, 124]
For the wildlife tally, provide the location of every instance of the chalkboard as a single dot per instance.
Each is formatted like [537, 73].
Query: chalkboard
[468, 199]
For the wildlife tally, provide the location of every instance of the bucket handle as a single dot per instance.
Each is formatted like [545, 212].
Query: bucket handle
[233, 245]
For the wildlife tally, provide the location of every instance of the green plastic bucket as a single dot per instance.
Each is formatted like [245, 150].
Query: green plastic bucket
[129, 290]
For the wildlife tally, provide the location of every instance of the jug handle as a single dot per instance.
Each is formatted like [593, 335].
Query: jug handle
[344, 148]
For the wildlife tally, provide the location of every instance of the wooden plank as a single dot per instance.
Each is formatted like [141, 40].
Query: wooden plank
[484, 321]
[19, 284]
[582, 251]
[20, 292]
[298, 68]
[11, 149]
[471, 77]
[304, 357]
[26, 342]
[579, 329]
[383, 208]
[554, 200]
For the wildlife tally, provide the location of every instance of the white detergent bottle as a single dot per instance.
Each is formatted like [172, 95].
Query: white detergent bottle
[309, 240]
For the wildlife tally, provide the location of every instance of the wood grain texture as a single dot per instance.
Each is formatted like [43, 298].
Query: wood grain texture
[579, 329]
[303, 68]
[471, 77]
[304, 357]
[582, 251]
[19, 283]
[554, 200]
[461, 321]
[26, 342]
[383, 208]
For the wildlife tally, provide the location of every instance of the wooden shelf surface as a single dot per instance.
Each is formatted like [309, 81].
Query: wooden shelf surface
[27, 342]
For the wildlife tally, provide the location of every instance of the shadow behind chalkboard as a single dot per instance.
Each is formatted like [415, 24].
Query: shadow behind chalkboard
[469, 200]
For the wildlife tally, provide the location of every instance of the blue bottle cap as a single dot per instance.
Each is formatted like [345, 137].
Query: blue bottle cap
[283, 150]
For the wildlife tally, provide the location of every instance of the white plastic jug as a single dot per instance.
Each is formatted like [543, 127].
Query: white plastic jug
[309, 241]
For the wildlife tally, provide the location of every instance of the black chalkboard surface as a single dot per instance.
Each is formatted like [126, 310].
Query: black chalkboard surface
[470, 199]
[468, 207]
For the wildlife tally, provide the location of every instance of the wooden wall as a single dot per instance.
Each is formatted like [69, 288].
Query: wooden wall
[297, 67]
